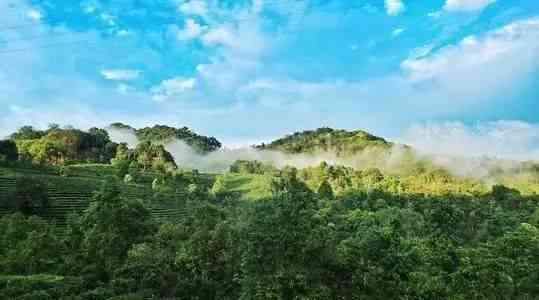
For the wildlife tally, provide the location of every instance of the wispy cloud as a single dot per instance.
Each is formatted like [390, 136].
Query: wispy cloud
[191, 30]
[478, 64]
[397, 31]
[467, 5]
[34, 14]
[194, 7]
[172, 87]
[394, 7]
[500, 139]
[120, 74]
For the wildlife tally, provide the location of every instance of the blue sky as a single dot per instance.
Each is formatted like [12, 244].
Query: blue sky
[251, 70]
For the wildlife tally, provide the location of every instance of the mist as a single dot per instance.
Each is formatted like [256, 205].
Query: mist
[475, 150]
[123, 135]
[467, 151]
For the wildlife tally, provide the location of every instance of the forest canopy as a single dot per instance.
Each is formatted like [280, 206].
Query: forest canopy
[82, 217]
[164, 134]
[339, 141]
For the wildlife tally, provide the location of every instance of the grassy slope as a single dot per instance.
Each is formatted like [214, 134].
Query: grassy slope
[249, 186]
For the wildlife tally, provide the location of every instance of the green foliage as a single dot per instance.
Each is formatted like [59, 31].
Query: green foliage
[8, 152]
[109, 227]
[163, 134]
[341, 142]
[58, 146]
[148, 156]
[30, 195]
[322, 232]
[282, 257]
[325, 191]
[252, 167]
[27, 133]
[219, 187]
[28, 245]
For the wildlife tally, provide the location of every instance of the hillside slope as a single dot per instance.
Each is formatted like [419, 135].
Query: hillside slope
[342, 142]
[163, 134]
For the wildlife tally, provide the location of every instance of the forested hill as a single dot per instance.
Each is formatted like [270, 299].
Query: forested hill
[342, 142]
[163, 133]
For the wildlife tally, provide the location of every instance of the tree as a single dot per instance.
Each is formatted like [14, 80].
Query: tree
[281, 255]
[325, 191]
[28, 245]
[110, 226]
[27, 133]
[8, 151]
[151, 265]
[375, 258]
[31, 195]
[150, 155]
[219, 188]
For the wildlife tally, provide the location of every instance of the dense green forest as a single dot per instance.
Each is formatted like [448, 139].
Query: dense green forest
[341, 142]
[83, 217]
[163, 134]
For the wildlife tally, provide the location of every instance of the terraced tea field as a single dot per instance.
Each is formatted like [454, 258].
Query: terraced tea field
[73, 194]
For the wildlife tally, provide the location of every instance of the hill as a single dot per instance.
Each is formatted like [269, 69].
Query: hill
[135, 229]
[163, 134]
[341, 142]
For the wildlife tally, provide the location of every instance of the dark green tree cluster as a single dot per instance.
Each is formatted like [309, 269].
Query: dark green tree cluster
[296, 244]
[341, 142]
[61, 146]
[163, 134]
[145, 157]
[252, 167]
[8, 152]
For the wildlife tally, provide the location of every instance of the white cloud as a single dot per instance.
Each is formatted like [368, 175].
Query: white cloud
[481, 63]
[124, 32]
[397, 32]
[191, 30]
[500, 139]
[421, 51]
[34, 14]
[90, 6]
[194, 7]
[466, 5]
[222, 35]
[240, 48]
[394, 7]
[475, 150]
[108, 19]
[120, 74]
[172, 87]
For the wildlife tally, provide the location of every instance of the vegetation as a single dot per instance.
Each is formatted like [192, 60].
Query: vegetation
[57, 146]
[257, 232]
[8, 152]
[341, 142]
[252, 167]
[163, 134]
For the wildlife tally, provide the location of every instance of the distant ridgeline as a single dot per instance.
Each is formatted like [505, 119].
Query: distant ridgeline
[340, 142]
[65, 146]
[162, 134]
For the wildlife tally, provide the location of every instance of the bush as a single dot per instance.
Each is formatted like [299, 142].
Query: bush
[30, 195]
[8, 152]
[251, 167]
